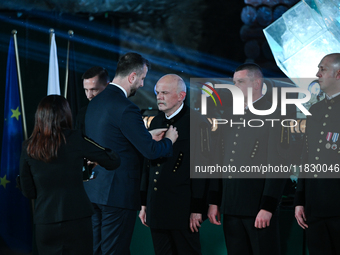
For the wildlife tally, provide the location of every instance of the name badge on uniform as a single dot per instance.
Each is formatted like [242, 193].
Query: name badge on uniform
[334, 139]
[328, 138]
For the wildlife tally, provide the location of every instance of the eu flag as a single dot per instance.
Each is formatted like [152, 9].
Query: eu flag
[15, 214]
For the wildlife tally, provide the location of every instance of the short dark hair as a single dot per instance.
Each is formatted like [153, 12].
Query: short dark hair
[103, 75]
[253, 68]
[131, 62]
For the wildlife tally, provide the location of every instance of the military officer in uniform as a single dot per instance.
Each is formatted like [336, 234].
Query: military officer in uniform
[317, 197]
[249, 205]
[173, 204]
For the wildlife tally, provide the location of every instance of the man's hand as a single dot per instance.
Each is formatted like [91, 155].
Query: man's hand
[142, 215]
[263, 219]
[195, 221]
[158, 133]
[213, 214]
[300, 216]
[172, 134]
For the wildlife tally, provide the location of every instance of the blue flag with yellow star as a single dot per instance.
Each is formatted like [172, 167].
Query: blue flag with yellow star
[15, 214]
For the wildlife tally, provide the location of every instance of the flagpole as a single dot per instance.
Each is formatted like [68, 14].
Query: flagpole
[14, 33]
[51, 33]
[70, 33]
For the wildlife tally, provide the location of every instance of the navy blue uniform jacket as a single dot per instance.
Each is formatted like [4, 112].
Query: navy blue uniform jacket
[115, 122]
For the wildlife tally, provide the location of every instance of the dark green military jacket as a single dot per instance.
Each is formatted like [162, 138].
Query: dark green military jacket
[167, 190]
[319, 182]
[244, 148]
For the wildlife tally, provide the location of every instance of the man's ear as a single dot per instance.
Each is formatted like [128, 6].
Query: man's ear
[257, 84]
[132, 77]
[337, 74]
[181, 95]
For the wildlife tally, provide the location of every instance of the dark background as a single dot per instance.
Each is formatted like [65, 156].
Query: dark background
[192, 38]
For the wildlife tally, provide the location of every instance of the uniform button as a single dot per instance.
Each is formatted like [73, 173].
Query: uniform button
[179, 159]
[158, 165]
[324, 124]
[238, 127]
[253, 152]
[326, 115]
[241, 118]
[316, 158]
[236, 135]
[231, 160]
[256, 146]
[181, 154]
[322, 132]
[255, 149]
[320, 141]
[318, 149]
[174, 170]
[230, 177]
[155, 180]
[257, 141]
[167, 125]
[252, 156]
[332, 101]
[157, 172]
[233, 152]
[338, 151]
[235, 143]
[329, 107]
[315, 175]
[155, 189]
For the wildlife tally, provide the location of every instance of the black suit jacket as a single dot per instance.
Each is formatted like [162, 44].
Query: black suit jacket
[116, 123]
[57, 186]
[320, 195]
[167, 190]
[242, 146]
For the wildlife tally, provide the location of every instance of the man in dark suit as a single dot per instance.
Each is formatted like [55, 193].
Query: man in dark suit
[115, 122]
[317, 196]
[248, 205]
[172, 203]
[95, 81]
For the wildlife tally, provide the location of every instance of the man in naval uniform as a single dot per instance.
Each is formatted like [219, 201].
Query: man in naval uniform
[317, 197]
[249, 203]
[173, 205]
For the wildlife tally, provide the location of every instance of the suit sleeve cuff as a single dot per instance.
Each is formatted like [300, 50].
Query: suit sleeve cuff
[143, 197]
[299, 198]
[197, 205]
[214, 198]
[269, 203]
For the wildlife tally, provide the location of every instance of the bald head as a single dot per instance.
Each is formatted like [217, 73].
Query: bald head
[171, 92]
[329, 74]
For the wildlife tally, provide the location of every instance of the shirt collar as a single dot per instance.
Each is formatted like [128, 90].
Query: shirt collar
[332, 96]
[175, 113]
[119, 87]
[247, 107]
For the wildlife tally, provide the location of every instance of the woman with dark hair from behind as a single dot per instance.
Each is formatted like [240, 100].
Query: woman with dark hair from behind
[51, 173]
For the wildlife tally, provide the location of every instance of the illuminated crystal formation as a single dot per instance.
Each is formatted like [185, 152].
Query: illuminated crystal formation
[303, 36]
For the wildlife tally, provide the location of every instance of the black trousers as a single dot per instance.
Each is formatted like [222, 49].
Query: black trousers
[72, 237]
[176, 242]
[323, 235]
[112, 230]
[242, 238]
